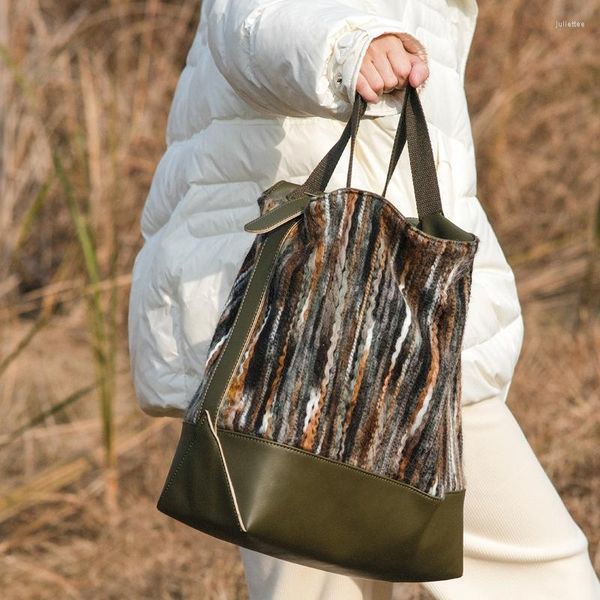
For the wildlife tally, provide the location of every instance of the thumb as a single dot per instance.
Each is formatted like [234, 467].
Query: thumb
[417, 55]
[419, 71]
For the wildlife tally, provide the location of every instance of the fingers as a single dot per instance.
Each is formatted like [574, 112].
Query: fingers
[390, 61]
[386, 73]
[399, 61]
[363, 87]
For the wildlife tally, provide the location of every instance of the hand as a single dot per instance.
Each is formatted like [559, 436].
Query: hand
[391, 59]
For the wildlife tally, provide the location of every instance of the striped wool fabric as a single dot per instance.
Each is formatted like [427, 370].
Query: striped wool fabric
[355, 355]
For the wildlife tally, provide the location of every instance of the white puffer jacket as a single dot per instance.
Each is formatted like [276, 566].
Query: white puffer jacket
[266, 91]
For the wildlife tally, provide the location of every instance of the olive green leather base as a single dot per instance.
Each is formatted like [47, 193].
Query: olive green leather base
[311, 510]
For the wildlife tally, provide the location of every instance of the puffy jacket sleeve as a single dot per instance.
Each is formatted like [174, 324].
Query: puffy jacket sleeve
[296, 58]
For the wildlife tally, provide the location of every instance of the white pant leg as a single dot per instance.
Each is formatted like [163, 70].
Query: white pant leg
[270, 578]
[520, 540]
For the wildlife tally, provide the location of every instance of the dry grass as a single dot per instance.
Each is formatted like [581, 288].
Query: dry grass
[84, 94]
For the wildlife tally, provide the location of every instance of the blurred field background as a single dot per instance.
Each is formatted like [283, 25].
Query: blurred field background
[84, 92]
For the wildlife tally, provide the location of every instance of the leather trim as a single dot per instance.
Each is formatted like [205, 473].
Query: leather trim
[436, 225]
[277, 216]
[188, 488]
[226, 471]
[244, 321]
[360, 472]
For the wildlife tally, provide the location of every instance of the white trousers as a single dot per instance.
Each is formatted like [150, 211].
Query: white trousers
[520, 542]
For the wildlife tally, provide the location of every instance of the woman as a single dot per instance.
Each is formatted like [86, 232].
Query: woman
[265, 93]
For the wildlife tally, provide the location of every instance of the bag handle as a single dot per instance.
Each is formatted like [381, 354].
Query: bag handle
[412, 128]
[317, 181]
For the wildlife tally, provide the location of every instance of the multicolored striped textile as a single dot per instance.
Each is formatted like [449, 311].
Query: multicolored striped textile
[355, 354]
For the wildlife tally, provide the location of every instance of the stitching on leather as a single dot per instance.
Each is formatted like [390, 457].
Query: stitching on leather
[231, 335]
[229, 483]
[223, 352]
[297, 211]
[187, 451]
[358, 470]
[271, 226]
[261, 295]
[429, 238]
[277, 186]
[372, 196]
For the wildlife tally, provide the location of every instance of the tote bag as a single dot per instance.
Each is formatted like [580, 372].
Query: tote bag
[327, 427]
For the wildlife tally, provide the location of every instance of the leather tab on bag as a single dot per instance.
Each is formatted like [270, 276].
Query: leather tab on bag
[278, 216]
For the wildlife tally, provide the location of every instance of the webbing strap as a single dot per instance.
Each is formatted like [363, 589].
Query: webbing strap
[412, 128]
